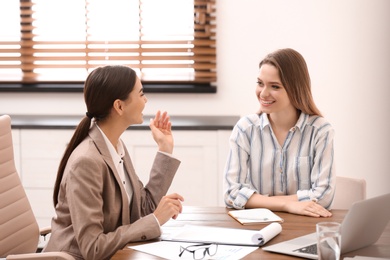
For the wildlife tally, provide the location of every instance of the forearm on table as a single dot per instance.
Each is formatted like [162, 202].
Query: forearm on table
[275, 203]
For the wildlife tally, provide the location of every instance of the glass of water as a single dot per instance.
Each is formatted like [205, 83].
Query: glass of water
[328, 240]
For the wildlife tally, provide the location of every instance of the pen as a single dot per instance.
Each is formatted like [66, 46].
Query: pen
[261, 241]
[258, 219]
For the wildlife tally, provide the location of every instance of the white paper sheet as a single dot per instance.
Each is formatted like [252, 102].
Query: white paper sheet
[220, 235]
[258, 215]
[171, 250]
[267, 233]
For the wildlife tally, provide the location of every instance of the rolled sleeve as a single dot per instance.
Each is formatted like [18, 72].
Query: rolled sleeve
[239, 201]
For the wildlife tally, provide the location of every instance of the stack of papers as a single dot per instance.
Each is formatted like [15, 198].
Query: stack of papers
[222, 236]
[171, 250]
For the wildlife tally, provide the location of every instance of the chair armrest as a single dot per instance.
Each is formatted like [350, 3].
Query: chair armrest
[45, 230]
[43, 256]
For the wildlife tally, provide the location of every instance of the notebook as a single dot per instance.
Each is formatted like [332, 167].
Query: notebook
[254, 216]
[361, 227]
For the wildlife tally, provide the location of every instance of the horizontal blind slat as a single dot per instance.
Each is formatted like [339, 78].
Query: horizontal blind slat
[34, 53]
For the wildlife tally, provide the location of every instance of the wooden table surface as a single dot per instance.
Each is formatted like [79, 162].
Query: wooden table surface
[293, 226]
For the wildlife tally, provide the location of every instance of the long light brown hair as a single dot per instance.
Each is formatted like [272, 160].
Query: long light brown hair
[295, 78]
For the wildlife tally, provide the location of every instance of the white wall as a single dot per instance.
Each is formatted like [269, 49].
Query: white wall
[346, 44]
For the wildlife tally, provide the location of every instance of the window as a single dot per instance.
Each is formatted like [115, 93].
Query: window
[55, 44]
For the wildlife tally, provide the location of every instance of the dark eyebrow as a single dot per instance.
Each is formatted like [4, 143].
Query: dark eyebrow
[141, 90]
[276, 82]
[272, 82]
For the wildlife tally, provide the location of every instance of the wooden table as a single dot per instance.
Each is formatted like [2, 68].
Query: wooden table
[293, 226]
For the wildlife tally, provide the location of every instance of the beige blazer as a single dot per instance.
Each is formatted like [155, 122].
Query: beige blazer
[93, 219]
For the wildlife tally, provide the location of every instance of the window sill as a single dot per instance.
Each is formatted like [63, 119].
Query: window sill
[78, 88]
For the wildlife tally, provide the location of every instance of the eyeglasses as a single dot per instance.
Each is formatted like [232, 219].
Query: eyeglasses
[199, 250]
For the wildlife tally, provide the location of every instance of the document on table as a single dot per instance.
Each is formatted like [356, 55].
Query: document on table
[221, 235]
[171, 250]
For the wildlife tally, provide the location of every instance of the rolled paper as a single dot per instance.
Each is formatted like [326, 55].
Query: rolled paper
[266, 234]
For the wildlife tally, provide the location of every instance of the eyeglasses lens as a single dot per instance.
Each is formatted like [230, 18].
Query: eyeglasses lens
[212, 250]
[200, 251]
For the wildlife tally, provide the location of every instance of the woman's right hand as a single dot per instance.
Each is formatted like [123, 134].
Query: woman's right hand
[169, 207]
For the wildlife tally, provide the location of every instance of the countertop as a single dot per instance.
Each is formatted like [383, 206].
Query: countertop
[178, 122]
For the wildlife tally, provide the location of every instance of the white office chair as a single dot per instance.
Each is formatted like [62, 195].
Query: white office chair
[348, 191]
[19, 231]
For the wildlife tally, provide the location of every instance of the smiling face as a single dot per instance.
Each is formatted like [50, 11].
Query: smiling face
[270, 92]
[135, 104]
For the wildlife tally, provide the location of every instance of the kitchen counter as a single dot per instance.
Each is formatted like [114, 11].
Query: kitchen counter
[178, 122]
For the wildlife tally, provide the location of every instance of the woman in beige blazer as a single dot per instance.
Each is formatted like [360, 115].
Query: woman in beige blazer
[100, 203]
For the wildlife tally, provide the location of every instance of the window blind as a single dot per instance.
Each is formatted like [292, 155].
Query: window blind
[62, 41]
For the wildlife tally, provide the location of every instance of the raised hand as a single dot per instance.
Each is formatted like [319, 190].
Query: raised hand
[161, 127]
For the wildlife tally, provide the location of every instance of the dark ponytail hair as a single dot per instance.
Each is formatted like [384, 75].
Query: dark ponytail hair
[102, 87]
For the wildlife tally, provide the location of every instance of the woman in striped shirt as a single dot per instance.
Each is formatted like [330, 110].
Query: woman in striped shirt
[282, 157]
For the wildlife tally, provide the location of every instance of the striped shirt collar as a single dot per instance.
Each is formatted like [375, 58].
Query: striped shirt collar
[300, 124]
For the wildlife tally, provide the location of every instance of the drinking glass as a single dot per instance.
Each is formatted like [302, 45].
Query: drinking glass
[328, 240]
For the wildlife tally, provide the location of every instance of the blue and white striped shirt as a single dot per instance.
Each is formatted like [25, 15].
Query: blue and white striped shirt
[304, 165]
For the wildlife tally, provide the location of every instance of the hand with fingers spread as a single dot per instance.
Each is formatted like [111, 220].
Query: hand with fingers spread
[169, 207]
[161, 127]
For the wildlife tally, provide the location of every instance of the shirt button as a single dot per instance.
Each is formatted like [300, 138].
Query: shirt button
[143, 237]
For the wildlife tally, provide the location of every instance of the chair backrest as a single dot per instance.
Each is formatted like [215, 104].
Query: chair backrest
[348, 191]
[19, 231]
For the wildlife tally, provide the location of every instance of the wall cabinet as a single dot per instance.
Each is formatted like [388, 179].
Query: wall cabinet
[198, 180]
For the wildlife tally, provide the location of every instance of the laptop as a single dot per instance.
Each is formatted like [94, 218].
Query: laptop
[361, 227]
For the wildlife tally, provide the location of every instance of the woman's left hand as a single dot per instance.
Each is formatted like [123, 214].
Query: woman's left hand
[307, 208]
[161, 127]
